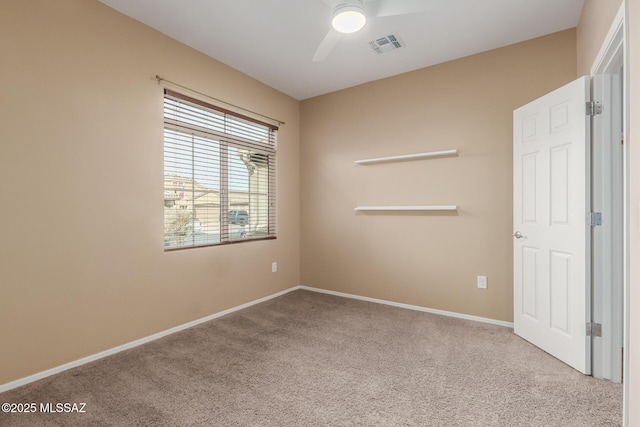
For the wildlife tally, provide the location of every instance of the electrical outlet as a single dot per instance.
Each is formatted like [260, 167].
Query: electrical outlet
[482, 282]
[274, 267]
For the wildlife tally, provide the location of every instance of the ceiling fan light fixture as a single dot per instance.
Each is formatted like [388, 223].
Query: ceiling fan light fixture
[348, 18]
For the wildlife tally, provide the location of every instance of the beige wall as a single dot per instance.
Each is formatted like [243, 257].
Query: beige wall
[82, 139]
[634, 212]
[593, 27]
[429, 260]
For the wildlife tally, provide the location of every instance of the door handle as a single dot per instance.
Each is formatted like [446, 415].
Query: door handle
[519, 235]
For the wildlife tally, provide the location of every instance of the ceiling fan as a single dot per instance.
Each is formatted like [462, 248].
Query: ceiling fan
[349, 16]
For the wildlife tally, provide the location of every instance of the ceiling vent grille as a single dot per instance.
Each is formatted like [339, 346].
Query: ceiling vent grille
[386, 43]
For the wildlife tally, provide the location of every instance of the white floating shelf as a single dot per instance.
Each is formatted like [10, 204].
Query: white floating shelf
[407, 208]
[408, 157]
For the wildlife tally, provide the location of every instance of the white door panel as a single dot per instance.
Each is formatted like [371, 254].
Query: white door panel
[551, 199]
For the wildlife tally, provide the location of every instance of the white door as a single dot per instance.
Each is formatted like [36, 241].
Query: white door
[551, 249]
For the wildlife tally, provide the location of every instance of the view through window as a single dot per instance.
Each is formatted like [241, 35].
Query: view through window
[219, 175]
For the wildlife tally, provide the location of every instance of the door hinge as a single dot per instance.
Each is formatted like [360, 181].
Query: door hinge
[594, 329]
[594, 108]
[594, 219]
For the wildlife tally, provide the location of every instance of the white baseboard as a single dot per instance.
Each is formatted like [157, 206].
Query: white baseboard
[413, 307]
[132, 344]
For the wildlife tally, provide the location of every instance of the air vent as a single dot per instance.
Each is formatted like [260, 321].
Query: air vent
[386, 43]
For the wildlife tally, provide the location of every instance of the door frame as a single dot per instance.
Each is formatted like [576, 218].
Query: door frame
[608, 198]
[614, 53]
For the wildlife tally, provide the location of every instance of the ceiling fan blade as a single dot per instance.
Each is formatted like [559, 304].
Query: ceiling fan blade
[398, 7]
[326, 46]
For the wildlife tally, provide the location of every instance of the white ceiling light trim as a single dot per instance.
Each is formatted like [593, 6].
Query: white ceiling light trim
[348, 17]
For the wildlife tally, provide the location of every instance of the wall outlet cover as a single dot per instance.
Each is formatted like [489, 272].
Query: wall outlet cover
[482, 282]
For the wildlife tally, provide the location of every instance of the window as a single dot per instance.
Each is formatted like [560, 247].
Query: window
[219, 175]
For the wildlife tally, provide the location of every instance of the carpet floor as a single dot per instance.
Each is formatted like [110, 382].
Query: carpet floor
[311, 359]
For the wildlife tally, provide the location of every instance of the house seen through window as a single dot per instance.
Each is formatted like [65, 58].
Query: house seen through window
[219, 175]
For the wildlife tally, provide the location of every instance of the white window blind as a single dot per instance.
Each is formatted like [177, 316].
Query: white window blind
[219, 175]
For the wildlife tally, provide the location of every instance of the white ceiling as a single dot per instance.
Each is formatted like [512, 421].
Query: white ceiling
[274, 40]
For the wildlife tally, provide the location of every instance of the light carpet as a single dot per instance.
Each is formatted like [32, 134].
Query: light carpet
[310, 359]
